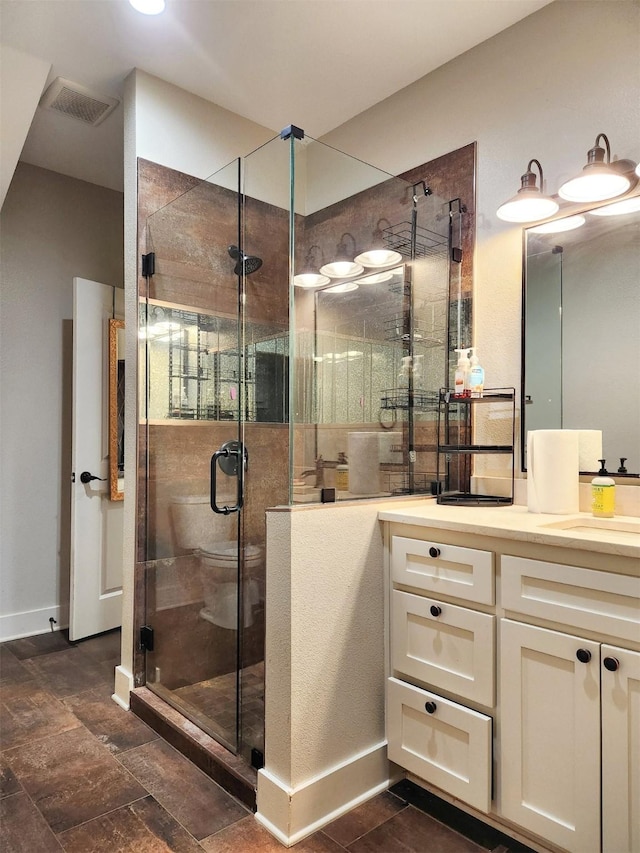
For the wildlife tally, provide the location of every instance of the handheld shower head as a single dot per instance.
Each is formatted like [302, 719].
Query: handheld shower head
[245, 263]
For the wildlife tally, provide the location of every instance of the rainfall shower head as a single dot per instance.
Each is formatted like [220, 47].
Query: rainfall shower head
[245, 263]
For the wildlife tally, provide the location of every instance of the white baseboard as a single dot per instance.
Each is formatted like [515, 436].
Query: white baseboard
[293, 814]
[123, 687]
[14, 626]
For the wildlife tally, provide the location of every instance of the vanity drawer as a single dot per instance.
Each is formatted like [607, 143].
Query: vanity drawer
[449, 747]
[576, 597]
[448, 647]
[443, 569]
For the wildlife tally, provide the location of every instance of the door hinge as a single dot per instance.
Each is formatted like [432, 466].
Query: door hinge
[148, 264]
[146, 638]
[456, 254]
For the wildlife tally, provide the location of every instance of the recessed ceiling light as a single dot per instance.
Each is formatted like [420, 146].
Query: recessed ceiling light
[148, 7]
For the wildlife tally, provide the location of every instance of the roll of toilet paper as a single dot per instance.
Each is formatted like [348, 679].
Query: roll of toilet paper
[552, 471]
[589, 449]
[363, 453]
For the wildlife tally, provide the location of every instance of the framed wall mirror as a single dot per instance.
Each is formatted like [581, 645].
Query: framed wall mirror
[116, 409]
[581, 330]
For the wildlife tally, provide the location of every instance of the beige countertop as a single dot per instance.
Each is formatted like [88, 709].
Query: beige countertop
[619, 535]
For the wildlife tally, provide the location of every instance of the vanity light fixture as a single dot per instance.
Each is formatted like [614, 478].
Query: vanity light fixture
[528, 204]
[341, 269]
[345, 287]
[568, 223]
[376, 278]
[599, 180]
[378, 258]
[618, 208]
[310, 279]
[148, 7]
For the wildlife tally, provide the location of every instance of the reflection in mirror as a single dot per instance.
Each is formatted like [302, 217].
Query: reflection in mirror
[192, 361]
[116, 409]
[581, 305]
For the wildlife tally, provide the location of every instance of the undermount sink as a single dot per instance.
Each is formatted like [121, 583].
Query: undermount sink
[599, 527]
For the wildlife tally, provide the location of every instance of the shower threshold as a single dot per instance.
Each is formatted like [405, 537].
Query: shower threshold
[230, 771]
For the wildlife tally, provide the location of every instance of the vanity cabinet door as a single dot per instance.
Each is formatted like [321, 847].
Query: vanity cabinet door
[440, 741]
[620, 677]
[439, 569]
[550, 735]
[447, 647]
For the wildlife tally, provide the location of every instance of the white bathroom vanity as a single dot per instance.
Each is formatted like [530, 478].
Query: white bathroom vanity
[513, 684]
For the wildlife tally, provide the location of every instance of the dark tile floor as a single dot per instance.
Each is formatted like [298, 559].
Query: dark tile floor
[78, 773]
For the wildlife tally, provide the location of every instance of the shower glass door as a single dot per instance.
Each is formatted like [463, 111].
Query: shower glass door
[194, 399]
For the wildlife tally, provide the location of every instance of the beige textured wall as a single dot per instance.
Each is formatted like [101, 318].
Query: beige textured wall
[325, 642]
[53, 228]
[544, 88]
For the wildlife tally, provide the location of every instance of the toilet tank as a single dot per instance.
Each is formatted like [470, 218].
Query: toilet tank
[195, 524]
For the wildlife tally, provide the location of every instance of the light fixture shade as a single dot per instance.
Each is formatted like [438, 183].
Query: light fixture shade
[527, 208]
[310, 279]
[599, 180]
[376, 278]
[345, 287]
[341, 269]
[148, 7]
[378, 258]
[597, 185]
[638, 170]
[556, 226]
[618, 208]
[528, 204]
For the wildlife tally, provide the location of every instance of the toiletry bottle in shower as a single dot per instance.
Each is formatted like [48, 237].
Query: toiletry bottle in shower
[405, 372]
[342, 473]
[418, 372]
[603, 493]
[461, 379]
[476, 376]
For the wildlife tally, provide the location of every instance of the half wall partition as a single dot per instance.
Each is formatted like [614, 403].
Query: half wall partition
[270, 377]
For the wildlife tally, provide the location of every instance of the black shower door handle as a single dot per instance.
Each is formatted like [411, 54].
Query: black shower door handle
[232, 458]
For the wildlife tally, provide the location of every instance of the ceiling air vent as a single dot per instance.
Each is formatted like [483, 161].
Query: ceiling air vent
[77, 102]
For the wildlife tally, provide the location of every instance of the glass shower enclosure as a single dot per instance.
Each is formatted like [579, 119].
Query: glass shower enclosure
[272, 373]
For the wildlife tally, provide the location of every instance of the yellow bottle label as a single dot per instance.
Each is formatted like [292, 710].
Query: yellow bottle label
[603, 500]
[342, 479]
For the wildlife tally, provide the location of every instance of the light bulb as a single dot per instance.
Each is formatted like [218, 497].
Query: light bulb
[556, 226]
[310, 279]
[341, 269]
[527, 208]
[148, 7]
[596, 185]
[618, 208]
[378, 258]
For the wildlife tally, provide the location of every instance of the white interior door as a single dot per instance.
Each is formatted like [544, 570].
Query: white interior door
[96, 521]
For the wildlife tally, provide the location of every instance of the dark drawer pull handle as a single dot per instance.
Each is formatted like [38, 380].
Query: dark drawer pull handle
[611, 664]
[434, 552]
[435, 610]
[430, 707]
[583, 655]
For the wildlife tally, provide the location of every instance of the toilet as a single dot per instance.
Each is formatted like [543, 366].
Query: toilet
[209, 536]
